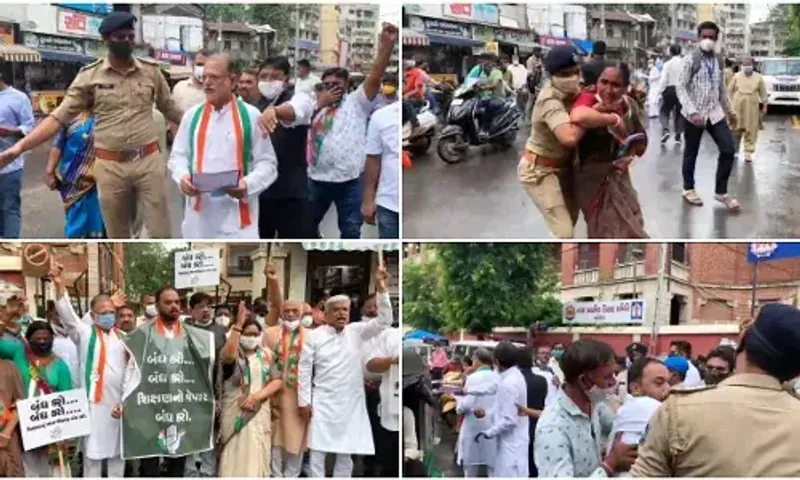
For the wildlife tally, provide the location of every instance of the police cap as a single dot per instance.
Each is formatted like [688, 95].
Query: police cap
[560, 58]
[773, 341]
[117, 21]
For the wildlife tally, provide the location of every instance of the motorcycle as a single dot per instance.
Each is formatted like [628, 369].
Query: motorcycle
[422, 138]
[443, 93]
[462, 128]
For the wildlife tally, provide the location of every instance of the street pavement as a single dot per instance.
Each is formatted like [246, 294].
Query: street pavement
[43, 212]
[481, 197]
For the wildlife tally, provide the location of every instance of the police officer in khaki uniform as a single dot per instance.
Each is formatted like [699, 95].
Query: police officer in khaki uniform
[748, 425]
[129, 161]
[545, 170]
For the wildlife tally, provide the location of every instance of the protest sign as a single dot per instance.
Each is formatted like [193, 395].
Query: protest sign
[53, 418]
[197, 268]
[170, 412]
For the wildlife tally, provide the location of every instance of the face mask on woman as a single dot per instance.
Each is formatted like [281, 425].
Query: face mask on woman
[42, 347]
[748, 70]
[568, 85]
[250, 343]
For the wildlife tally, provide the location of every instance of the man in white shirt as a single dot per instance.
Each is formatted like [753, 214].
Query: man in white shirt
[510, 429]
[103, 357]
[542, 367]
[306, 81]
[149, 310]
[337, 140]
[669, 95]
[63, 346]
[222, 136]
[381, 192]
[189, 93]
[519, 76]
[333, 398]
[384, 360]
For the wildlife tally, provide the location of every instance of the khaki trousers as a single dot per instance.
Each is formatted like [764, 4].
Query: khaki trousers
[750, 138]
[551, 190]
[123, 185]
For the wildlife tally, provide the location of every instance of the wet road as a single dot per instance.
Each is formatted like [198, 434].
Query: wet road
[43, 212]
[481, 198]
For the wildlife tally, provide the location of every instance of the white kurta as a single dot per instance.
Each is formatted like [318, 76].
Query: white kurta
[653, 92]
[219, 213]
[480, 389]
[339, 420]
[104, 439]
[511, 430]
[388, 344]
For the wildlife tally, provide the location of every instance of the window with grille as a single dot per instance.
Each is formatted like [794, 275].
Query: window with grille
[679, 253]
[630, 253]
[588, 256]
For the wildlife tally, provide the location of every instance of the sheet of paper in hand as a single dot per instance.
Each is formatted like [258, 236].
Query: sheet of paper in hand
[168, 407]
[212, 182]
[53, 418]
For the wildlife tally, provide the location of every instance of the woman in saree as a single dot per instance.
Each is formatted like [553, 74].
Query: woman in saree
[604, 191]
[10, 444]
[42, 373]
[248, 383]
[70, 170]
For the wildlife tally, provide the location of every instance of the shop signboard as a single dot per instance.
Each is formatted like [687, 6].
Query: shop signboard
[515, 36]
[759, 252]
[549, 41]
[424, 9]
[7, 33]
[443, 27]
[75, 23]
[617, 312]
[173, 58]
[39, 41]
[483, 33]
[99, 8]
[485, 13]
[461, 11]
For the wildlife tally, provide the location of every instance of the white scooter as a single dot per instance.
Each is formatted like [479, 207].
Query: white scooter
[419, 143]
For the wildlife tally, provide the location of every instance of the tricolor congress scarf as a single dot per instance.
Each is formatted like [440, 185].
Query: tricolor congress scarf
[96, 360]
[244, 147]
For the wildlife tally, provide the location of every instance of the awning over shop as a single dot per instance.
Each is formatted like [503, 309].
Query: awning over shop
[55, 55]
[523, 47]
[10, 52]
[415, 38]
[351, 246]
[454, 41]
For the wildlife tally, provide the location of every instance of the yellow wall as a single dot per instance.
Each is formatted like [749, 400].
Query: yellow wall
[329, 35]
[705, 13]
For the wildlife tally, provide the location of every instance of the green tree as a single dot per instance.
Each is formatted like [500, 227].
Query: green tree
[148, 267]
[422, 303]
[486, 285]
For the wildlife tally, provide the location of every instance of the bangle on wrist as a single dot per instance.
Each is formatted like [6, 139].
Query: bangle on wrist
[607, 467]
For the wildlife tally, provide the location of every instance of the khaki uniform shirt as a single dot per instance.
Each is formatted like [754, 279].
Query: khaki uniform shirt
[748, 426]
[123, 103]
[187, 93]
[549, 111]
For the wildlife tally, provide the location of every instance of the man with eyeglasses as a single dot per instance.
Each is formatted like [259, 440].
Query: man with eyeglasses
[130, 164]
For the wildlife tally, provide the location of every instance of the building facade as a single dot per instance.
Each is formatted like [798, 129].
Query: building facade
[732, 19]
[767, 39]
[246, 43]
[362, 26]
[307, 34]
[329, 46]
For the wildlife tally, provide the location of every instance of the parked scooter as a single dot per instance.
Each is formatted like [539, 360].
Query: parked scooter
[419, 143]
[462, 128]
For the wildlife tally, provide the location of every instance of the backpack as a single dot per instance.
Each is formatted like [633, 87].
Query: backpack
[697, 62]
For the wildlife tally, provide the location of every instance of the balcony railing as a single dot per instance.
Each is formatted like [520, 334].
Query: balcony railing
[629, 271]
[587, 277]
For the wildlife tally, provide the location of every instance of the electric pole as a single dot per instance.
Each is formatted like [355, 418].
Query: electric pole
[673, 14]
[660, 287]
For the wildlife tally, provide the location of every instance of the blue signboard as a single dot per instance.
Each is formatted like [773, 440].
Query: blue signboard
[760, 252]
[98, 8]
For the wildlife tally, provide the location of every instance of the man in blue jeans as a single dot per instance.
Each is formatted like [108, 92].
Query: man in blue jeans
[337, 139]
[381, 193]
[16, 121]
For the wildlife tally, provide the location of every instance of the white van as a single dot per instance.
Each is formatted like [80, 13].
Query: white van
[782, 77]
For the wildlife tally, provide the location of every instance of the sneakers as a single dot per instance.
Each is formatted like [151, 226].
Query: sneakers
[664, 137]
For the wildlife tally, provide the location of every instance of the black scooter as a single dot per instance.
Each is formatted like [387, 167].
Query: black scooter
[462, 128]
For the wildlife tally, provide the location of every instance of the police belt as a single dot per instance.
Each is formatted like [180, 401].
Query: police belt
[128, 154]
[543, 161]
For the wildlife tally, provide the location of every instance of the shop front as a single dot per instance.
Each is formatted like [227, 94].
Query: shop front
[450, 48]
[14, 54]
[516, 42]
[63, 57]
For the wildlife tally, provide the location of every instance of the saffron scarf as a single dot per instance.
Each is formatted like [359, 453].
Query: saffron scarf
[242, 130]
[94, 372]
[287, 353]
[320, 126]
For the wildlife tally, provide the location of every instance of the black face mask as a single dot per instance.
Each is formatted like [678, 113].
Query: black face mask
[121, 50]
[713, 378]
[42, 348]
